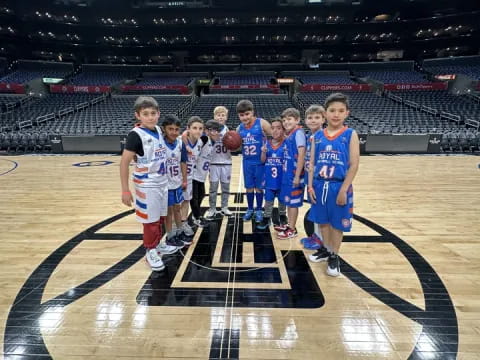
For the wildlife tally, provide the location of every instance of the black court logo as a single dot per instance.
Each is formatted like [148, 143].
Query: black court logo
[203, 264]
[93, 163]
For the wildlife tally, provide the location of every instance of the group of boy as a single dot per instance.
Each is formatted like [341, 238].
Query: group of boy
[171, 170]
[325, 162]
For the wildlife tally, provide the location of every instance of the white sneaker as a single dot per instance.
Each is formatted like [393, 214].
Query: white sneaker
[187, 229]
[210, 214]
[226, 212]
[164, 249]
[154, 260]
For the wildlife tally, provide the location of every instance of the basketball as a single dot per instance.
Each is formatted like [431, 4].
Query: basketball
[232, 140]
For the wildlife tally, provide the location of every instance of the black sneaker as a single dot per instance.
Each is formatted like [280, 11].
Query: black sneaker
[333, 268]
[320, 255]
[265, 223]
[187, 240]
[175, 241]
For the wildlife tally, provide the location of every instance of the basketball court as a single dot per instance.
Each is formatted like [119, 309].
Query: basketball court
[75, 284]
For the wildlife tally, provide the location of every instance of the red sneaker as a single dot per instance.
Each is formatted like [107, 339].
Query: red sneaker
[288, 233]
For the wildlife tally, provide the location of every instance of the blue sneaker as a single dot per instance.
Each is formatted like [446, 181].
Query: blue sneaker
[248, 215]
[258, 216]
[302, 240]
[311, 244]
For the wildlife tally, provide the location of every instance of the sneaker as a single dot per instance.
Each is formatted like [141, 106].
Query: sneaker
[187, 230]
[248, 215]
[164, 249]
[320, 255]
[258, 216]
[174, 241]
[310, 243]
[333, 268]
[313, 242]
[210, 214]
[154, 260]
[226, 212]
[288, 233]
[283, 224]
[200, 222]
[187, 240]
[280, 227]
[265, 223]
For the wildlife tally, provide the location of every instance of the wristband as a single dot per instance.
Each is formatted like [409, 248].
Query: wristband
[310, 189]
[126, 192]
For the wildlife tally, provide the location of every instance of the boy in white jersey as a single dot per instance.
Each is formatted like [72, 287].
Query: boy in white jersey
[177, 180]
[220, 168]
[145, 143]
[202, 167]
[193, 143]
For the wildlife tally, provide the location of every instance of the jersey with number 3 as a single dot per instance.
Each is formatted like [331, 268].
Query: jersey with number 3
[274, 166]
[332, 154]
[252, 142]
[174, 173]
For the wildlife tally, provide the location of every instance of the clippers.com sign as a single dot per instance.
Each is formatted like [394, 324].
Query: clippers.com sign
[71, 89]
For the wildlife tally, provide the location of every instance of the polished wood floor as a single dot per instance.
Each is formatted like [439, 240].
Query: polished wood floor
[410, 284]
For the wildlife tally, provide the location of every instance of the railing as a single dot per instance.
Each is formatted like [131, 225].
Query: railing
[450, 116]
[187, 107]
[473, 123]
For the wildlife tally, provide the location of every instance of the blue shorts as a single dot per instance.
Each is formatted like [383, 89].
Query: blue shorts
[292, 196]
[253, 175]
[271, 194]
[175, 196]
[339, 217]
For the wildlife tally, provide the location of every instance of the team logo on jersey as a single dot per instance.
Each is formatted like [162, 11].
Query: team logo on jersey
[328, 148]
[346, 222]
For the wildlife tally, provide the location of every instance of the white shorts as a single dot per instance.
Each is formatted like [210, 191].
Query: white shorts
[151, 203]
[222, 173]
[187, 193]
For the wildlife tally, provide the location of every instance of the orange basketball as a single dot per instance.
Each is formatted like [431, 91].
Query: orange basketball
[232, 140]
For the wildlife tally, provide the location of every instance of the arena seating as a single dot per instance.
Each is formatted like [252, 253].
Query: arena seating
[42, 106]
[326, 79]
[104, 77]
[24, 76]
[444, 101]
[394, 77]
[113, 116]
[469, 66]
[266, 106]
[165, 80]
[9, 99]
[247, 79]
[371, 113]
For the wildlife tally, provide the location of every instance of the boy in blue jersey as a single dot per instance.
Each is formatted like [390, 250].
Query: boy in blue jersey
[253, 131]
[272, 156]
[334, 160]
[293, 172]
[314, 119]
